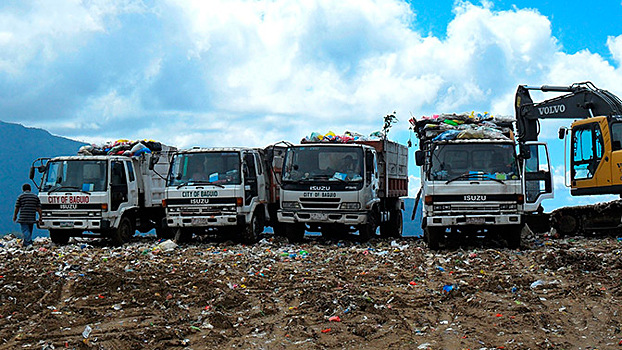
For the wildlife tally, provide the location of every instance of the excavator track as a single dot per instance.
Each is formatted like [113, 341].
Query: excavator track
[588, 219]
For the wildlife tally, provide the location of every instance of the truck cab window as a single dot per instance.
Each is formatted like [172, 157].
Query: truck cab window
[118, 185]
[250, 178]
[130, 171]
[369, 166]
[258, 162]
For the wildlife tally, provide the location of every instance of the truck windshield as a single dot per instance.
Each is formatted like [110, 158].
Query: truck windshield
[220, 168]
[317, 163]
[470, 161]
[75, 175]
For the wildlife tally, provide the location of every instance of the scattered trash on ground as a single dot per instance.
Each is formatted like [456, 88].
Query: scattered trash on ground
[319, 294]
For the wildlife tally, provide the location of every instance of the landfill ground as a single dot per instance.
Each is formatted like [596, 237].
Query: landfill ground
[384, 294]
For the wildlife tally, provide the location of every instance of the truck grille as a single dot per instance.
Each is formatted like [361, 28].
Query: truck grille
[478, 208]
[209, 211]
[319, 203]
[73, 214]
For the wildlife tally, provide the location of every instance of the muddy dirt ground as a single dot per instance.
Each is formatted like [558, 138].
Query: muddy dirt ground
[560, 293]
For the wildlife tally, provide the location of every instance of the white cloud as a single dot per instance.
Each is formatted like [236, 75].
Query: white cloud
[43, 30]
[614, 43]
[322, 63]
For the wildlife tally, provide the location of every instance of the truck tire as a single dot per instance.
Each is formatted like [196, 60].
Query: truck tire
[332, 231]
[512, 236]
[278, 229]
[182, 235]
[253, 229]
[295, 232]
[164, 232]
[60, 237]
[394, 227]
[433, 236]
[367, 231]
[123, 233]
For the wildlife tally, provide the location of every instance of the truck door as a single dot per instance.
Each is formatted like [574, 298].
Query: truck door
[118, 185]
[537, 176]
[261, 178]
[371, 172]
[250, 178]
[132, 184]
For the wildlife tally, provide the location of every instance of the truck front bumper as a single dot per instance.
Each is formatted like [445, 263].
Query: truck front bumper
[85, 224]
[473, 220]
[346, 218]
[204, 221]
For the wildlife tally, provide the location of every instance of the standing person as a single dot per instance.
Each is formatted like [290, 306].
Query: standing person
[27, 205]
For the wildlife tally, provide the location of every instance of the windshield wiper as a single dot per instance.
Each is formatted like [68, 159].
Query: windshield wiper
[468, 176]
[55, 189]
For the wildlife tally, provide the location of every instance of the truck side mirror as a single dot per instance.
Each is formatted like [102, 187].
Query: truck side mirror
[153, 161]
[419, 158]
[31, 175]
[525, 152]
[561, 133]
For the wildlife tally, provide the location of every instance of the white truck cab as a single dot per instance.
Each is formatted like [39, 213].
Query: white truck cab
[103, 195]
[219, 190]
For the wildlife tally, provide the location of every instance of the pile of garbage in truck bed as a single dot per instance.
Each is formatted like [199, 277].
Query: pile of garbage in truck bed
[463, 126]
[126, 148]
[346, 137]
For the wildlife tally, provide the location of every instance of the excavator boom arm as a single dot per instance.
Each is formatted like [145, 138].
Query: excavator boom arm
[583, 100]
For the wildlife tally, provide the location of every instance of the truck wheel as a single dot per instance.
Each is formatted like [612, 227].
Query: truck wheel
[164, 233]
[366, 232]
[295, 232]
[432, 236]
[123, 233]
[278, 229]
[252, 230]
[182, 236]
[394, 227]
[513, 236]
[332, 231]
[60, 237]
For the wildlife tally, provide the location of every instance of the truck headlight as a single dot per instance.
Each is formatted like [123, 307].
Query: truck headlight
[291, 205]
[350, 206]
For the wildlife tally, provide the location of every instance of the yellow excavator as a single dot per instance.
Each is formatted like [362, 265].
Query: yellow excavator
[594, 144]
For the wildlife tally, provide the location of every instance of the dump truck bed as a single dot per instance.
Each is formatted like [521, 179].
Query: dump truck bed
[392, 167]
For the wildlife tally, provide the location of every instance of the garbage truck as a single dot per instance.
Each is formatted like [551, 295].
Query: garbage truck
[472, 181]
[231, 192]
[107, 191]
[343, 186]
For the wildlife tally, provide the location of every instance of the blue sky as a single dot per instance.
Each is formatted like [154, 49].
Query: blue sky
[234, 72]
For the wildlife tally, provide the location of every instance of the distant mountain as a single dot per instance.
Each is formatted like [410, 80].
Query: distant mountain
[21, 147]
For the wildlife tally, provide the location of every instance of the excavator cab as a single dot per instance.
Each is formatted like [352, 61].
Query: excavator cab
[595, 142]
[596, 156]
